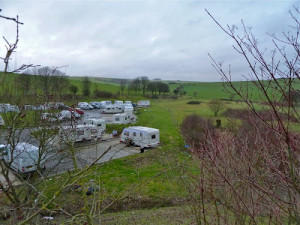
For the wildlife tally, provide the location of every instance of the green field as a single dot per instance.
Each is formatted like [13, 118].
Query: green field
[152, 179]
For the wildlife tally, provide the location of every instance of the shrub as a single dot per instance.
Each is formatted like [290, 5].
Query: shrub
[194, 128]
[193, 102]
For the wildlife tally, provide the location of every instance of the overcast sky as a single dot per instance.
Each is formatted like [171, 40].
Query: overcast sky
[159, 39]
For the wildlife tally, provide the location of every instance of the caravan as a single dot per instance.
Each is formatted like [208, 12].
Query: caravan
[2, 123]
[99, 123]
[5, 107]
[128, 109]
[121, 118]
[23, 157]
[117, 102]
[143, 103]
[113, 109]
[145, 137]
[79, 133]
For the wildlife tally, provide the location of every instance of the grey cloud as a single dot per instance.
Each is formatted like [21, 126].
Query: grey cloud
[131, 38]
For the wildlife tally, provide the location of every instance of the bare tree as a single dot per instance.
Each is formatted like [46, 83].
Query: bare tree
[216, 106]
[144, 83]
[12, 46]
[123, 83]
[86, 85]
[250, 174]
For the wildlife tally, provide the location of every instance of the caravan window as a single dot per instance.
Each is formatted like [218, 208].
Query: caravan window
[153, 136]
[126, 133]
[117, 119]
[99, 125]
[134, 134]
[141, 134]
[125, 118]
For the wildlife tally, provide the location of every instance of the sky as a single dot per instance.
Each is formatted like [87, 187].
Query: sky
[169, 39]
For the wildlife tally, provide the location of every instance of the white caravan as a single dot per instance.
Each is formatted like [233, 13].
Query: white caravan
[118, 102]
[128, 109]
[68, 115]
[51, 117]
[22, 158]
[79, 133]
[113, 109]
[2, 123]
[143, 103]
[144, 137]
[128, 103]
[4, 107]
[121, 118]
[99, 123]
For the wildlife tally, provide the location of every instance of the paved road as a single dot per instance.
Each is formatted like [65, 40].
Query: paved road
[88, 154]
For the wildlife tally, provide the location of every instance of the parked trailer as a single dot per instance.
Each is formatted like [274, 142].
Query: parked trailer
[5, 107]
[117, 102]
[128, 109]
[145, 137]
[99, 123]
[23, 157]
[121, 118]
[79, 133]
[143, 103]
[113, 109]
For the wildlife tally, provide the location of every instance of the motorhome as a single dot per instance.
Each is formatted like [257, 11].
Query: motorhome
[113, 109]
[99, 123]
[23, 157]
[121, 118]
[79, 133]
[145, 137]
[2, 123]
[143, 103]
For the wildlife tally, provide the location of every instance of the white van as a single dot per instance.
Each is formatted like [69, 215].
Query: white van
[85, 105]
[2, 123]
[22, 158]
[143, 103]
[144, 137]
[99, 123]
[79, 133]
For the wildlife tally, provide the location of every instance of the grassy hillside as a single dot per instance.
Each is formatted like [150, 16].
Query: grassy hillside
[220, 90]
